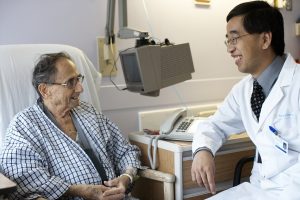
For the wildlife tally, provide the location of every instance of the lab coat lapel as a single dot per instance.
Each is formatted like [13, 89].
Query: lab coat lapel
[284, 80]
[272, 100]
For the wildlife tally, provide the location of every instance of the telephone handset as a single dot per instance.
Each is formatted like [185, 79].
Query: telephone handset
[169, 124]
[179, 126]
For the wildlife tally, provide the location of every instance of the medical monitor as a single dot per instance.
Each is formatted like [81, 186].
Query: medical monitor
[149, 68]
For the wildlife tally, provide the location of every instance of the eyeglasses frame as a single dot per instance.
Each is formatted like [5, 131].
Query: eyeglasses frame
[79, 78]
[233, 41]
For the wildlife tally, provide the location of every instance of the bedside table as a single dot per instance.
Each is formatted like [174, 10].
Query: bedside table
[175, 157]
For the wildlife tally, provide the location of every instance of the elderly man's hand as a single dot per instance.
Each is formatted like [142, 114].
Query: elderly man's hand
[88, 192]
[118, 188]
[203, 170]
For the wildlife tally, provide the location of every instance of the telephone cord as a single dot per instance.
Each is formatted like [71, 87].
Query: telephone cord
[153, 159]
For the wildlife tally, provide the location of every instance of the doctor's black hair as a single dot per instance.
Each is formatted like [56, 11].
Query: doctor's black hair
[45, 70]
[260, 17]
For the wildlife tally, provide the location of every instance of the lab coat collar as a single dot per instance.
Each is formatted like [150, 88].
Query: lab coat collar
[285, 79]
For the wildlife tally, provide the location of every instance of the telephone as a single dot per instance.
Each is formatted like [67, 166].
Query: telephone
[179, 126]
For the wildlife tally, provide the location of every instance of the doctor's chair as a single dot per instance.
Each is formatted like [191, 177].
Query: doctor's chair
[16, 66]
[239, 168]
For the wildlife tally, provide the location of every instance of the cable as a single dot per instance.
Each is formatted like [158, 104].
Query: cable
[153, 159]
[154, 136]
[148, 18]
[114, 66]
[110, 76]
[180, 97]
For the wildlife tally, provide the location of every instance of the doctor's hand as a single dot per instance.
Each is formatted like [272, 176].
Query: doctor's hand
[203, 170]
[118, 188]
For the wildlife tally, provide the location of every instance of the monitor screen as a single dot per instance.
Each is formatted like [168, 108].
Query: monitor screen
[140, 67]
[131, 68]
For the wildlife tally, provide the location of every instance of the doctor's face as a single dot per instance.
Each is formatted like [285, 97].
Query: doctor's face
[245, 48]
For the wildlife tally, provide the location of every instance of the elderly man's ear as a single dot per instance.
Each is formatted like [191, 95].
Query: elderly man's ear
[44, 90]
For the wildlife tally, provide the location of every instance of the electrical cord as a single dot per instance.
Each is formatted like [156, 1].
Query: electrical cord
[154, 136]
[180, 98]
[115, 67]
[148, 18]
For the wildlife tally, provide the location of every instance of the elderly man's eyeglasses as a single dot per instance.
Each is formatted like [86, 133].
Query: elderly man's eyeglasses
[233, 41]
[72, 82]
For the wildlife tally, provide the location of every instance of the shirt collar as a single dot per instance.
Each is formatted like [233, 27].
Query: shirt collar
[269, 76]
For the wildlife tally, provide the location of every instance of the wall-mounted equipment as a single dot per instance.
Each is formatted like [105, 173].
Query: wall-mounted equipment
[148, 66]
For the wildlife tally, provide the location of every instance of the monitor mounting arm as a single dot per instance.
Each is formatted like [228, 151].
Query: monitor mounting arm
[124, 31]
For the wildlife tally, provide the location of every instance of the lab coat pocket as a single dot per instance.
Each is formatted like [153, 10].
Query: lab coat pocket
[274, 159]
[286, 125]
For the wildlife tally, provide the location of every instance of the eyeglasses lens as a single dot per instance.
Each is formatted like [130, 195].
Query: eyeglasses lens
[73, 81]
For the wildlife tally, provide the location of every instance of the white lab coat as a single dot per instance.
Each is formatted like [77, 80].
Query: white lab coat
[279, 173]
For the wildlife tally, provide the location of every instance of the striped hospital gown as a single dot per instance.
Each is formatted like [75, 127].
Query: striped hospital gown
[45, 162]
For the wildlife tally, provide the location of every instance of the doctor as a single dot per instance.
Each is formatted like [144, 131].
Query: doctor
[265, 104]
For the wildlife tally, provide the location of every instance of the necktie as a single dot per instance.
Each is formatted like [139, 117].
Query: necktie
[257, 99]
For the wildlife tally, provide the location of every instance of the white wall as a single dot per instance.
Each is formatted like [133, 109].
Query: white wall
[79, 22]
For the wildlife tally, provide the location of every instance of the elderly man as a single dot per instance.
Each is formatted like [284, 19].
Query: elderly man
[63, 148]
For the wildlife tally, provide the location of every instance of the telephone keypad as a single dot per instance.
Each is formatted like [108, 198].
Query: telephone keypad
[184, 125]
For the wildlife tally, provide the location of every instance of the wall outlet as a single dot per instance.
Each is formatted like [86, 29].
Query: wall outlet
[106, 58]
[297, 27]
